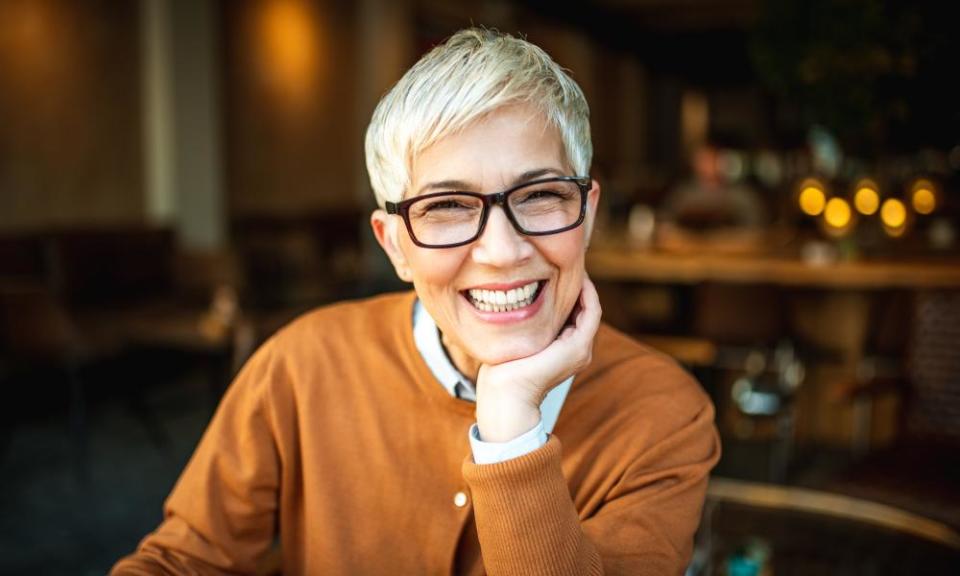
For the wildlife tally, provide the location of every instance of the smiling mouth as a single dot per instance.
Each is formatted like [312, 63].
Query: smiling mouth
[505, 300]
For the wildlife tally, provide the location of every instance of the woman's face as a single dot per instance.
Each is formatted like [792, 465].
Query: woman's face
[510, 146]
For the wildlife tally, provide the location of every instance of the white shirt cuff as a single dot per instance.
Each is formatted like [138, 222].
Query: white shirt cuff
[494, 452]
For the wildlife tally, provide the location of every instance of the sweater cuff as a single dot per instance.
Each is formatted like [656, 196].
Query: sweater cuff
[527, 471]
[493, 452]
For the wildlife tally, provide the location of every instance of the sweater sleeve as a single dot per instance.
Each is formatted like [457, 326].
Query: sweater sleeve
[528, 525]
[220, 516]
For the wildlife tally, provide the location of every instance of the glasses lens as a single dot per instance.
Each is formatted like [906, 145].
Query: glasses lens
[446, 219]
[547, 206]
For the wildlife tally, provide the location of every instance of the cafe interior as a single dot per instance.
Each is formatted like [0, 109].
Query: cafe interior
[780, 214]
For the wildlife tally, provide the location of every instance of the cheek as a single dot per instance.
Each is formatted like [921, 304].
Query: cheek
[433, 270]
[566, 254]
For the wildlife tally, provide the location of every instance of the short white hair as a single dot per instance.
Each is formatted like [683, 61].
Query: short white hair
[475, 72]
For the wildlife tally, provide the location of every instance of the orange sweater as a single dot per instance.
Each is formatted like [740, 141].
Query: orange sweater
[336, 439]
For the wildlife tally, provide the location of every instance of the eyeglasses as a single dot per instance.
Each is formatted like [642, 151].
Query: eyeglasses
[537, 208]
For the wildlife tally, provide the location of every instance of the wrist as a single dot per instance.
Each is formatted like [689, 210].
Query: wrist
[504, 418]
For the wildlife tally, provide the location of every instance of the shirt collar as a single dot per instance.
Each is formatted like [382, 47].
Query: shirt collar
[427, 337]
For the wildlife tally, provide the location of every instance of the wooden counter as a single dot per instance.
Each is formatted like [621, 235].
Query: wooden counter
[607, 262]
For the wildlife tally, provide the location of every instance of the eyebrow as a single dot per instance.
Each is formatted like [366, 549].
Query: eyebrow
[464, 186]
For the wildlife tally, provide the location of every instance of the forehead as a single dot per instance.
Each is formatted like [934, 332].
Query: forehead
[492, 151]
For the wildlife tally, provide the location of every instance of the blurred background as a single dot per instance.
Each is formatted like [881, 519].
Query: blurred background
[179, 178]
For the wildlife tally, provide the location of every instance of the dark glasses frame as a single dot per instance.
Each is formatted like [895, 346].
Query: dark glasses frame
[402, 209]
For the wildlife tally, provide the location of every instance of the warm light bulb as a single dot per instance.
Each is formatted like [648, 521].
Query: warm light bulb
[812, 200]
[893, 213]
[837, 213]
[289, 48]
[924, 200]
[866, 199]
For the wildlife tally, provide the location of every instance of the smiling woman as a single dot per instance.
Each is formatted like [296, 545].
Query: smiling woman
[497, 151]
[441, 410]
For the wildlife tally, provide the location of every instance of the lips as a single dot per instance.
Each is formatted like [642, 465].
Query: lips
[506, 299]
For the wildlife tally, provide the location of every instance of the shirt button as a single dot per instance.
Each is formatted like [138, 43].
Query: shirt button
[460, 499]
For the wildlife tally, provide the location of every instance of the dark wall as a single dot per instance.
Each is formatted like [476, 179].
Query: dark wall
[70, 140]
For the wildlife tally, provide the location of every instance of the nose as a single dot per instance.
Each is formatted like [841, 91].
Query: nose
[500, 244]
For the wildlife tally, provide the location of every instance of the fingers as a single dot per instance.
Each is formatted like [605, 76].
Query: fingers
[590, 311]
[575, 344]
[587, 319]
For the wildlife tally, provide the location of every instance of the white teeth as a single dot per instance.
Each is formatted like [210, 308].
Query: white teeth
[503, 300]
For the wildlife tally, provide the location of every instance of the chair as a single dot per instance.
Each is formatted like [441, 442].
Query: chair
[920, 469]
[764, 369]
[39, 339]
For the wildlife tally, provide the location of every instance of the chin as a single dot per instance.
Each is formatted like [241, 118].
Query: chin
[507, 349]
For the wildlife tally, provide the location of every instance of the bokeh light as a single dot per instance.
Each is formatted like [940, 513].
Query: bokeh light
[812, 198]
[731, 164]
[924, 201]
[866, 199]
[290, 48]
[923, 197]
[837, 214]
[893, 214]
[34, 42]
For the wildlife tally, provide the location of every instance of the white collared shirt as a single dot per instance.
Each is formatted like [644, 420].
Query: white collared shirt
[426, 335]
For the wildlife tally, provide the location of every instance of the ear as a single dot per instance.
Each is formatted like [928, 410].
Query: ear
[385, 230]
[593, 199]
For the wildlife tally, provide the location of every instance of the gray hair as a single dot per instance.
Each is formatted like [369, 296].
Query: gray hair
[475, 72]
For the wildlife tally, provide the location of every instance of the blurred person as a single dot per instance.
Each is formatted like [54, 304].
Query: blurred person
[420, 432]
[709, 201]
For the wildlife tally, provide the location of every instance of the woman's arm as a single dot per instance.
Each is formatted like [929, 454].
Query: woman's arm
[526, 520]
[528, 525]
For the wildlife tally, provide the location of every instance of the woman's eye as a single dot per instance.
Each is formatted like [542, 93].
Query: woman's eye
[542, 194]
[445, 205]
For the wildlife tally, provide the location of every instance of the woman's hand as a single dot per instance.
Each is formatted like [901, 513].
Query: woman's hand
[509, 394]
